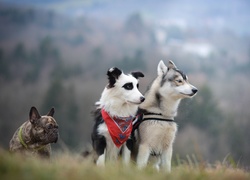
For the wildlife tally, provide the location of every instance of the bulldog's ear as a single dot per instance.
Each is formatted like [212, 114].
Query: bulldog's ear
[51, 112]
[34, 115]
[113, 75]
[137, 74]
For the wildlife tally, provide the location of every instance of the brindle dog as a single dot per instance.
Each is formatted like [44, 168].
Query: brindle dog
[35, 135]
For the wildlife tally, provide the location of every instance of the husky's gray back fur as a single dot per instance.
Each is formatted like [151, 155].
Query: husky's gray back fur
[162, 101]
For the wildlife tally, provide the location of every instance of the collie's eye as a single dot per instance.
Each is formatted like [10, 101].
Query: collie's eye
[128, 86]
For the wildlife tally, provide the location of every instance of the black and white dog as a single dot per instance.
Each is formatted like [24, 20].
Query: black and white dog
[114, 114]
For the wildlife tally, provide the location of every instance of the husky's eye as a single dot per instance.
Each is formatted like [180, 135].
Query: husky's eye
[128, 86]
[179, 80]
[137, 86]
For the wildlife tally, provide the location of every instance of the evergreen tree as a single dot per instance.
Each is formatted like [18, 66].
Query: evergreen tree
[202, 111]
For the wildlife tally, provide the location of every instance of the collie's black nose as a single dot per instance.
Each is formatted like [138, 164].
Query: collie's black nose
[142, 99]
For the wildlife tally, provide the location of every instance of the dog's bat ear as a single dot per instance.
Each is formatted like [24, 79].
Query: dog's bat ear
[137, 74]
[162, 68]
[34, 115]
[113, 74]
[171, 65]
[51, 112]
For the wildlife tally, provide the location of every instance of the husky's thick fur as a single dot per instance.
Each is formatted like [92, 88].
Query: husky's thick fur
[157, 130]
[119, 100]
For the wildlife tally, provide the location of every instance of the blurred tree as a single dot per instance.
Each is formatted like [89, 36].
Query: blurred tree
[175, 32]
[33, 60]
[203, 114]
[4, 65]
[135, 24]
[136, 62]
[237, 133]
[77, 40]
[47, 55]
[202, 111]
[66, 108]
[70, 129]
[19, 53]
[95, 61]
[65, 72]
[47, 51]
[53, 96]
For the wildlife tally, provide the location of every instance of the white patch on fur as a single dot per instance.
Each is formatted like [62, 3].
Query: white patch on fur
[126, 154]
[185, 89]
[101, 160]
[121, 102]
[111, 69]
[111, 149]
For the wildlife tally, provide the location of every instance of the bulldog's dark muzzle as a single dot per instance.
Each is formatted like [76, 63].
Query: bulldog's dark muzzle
[53, 135]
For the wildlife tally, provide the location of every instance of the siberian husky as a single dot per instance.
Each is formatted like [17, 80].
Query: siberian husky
[114, 114]
[157, 129]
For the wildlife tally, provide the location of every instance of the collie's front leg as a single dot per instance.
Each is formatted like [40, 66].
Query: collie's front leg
[126, 151]
[101, 159]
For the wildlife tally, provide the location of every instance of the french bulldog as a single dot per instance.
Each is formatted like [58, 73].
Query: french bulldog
[35, 135]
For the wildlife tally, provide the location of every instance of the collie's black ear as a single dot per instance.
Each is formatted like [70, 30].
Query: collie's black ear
[113, 74]
[137, 74]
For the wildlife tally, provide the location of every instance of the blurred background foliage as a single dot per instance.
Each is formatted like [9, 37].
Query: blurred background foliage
[55, 58]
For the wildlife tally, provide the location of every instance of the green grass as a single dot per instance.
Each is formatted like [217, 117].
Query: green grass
[70, 167]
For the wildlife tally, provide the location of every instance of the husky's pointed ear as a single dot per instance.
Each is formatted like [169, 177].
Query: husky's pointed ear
[113, 75]
[34, 115]
[137, 74]
[51, 112]
[171, 65]
[162, 68]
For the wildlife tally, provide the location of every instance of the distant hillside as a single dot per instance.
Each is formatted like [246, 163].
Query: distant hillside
[223, 14]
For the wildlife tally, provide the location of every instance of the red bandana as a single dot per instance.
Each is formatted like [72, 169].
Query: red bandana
[119, 128]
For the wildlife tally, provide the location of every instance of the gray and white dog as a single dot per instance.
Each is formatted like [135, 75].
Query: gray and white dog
[157, 129]
[35, 135]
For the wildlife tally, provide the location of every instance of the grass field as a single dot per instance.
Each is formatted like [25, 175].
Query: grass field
[70, 166]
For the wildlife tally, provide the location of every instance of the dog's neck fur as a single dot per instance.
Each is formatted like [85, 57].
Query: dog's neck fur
[30, 141]
[116, 106]
[156, 103]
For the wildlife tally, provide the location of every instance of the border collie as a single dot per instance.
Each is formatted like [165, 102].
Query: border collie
[114, 114]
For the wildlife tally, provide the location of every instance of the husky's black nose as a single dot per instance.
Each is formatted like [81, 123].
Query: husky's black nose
[142, 98]
[194, 90]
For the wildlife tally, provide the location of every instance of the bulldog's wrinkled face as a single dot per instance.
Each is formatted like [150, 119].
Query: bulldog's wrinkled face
[44, 128]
